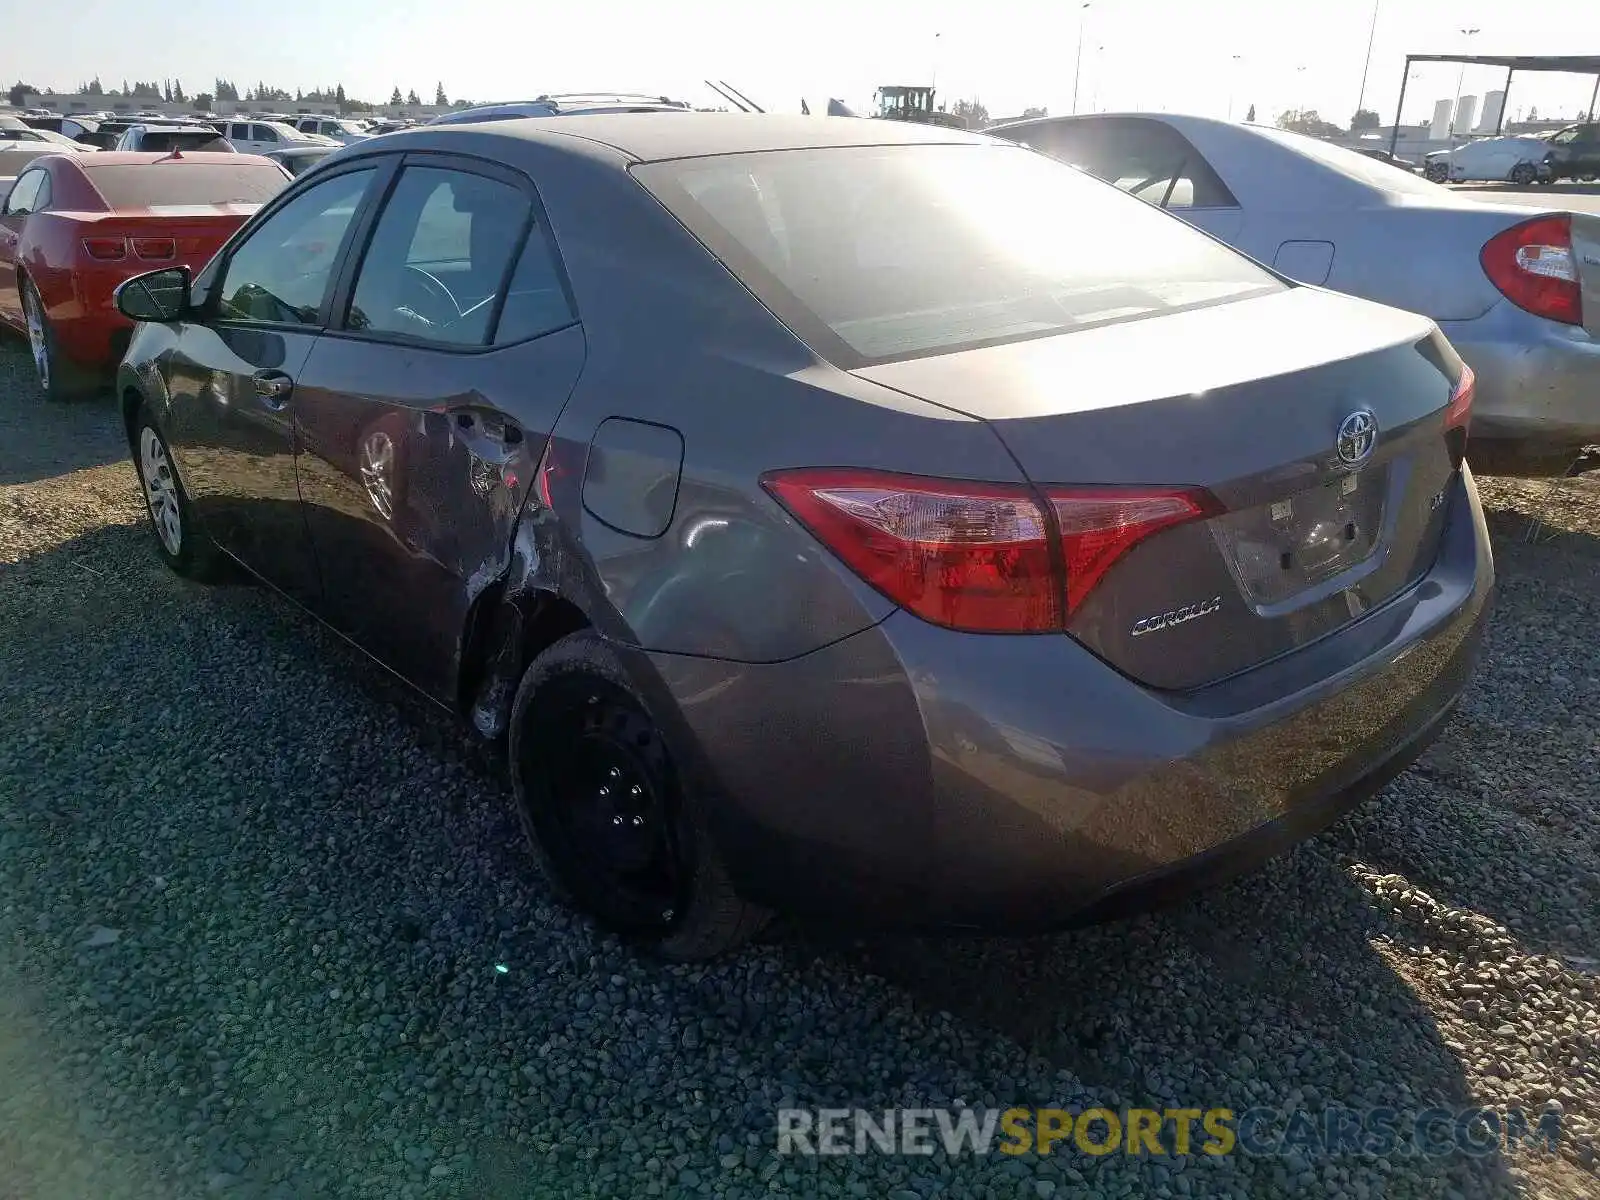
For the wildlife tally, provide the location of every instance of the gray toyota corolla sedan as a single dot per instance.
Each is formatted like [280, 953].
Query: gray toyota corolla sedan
[824, 522]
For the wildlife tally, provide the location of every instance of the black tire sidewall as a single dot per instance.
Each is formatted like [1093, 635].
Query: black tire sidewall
[68, 381]
[712, 918]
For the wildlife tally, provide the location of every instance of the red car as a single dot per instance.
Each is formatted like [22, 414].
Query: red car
[75, 226]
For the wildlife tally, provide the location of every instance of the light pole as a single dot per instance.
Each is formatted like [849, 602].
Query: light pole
[934, 81]
[1372, 34]
[1233, 83]
[1083, 15]
[1460, 78]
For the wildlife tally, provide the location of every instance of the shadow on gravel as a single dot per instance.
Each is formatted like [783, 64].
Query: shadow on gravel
[78, 434]
[277, 945]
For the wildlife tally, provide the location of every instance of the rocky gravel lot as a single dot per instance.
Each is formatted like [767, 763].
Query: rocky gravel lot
[266, 930]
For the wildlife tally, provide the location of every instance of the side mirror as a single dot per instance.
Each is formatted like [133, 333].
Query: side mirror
[154, 296]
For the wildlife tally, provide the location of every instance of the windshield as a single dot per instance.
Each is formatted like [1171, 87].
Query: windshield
[140, 185]
[1370, 171]
[871, 253]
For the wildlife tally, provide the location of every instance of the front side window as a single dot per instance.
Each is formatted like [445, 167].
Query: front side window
[873, 253]
[263, 133]
[24, 192]
[439, 256]
[281, 271]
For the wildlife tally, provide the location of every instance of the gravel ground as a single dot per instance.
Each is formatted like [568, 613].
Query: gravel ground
[255, 899]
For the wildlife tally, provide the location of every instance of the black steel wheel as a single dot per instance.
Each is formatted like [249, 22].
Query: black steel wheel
[605, 810]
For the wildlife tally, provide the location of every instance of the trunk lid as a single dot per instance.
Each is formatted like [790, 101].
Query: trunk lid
[1246, 400]
[197, 231]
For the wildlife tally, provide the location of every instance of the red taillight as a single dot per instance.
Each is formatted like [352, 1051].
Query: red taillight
[1533, 266]
[1100, 525]
[106, 249]
[155, 249]
[1459, 413]
[981, 557]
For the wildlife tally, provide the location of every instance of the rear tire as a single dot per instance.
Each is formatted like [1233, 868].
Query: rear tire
[59, 378]
[180, 541]
[602, 803]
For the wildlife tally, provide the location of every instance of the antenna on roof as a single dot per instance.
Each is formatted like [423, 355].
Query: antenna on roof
[726, 96]
[743, 97]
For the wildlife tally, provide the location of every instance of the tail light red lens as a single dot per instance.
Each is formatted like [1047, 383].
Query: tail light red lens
[1533, 266]
[1099, 525]
[1459, 413]
[980, 557]
[155, 249]
[106, 249]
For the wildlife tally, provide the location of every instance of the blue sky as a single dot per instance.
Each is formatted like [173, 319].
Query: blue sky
[1153, 54]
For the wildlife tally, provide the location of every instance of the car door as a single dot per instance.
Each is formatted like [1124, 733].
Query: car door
[422, 413]
[233, 374]
[19, 202]
[1586, 151]
[1149, 159]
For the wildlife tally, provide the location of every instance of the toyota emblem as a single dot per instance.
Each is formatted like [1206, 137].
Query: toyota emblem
[1358, 438]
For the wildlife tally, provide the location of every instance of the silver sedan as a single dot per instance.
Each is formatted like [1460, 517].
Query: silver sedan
[1516, 290]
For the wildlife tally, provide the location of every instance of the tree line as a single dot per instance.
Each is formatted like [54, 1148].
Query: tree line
[171, 91]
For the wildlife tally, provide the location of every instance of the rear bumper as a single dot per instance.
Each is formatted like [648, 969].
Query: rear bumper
[1538, 381]
[916, 777]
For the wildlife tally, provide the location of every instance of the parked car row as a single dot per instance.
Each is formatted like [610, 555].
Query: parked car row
[1570, 153]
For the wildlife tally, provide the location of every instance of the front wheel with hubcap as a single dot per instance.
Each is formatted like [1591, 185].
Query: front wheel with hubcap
[57, 379]
[1523, 174]
[603, 804]
[182, 546]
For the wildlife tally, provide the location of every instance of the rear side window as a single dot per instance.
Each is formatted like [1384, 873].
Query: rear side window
[536, 301]
[24, 193]
[439, 257]
[872, 253]
[1148, 159]
[141, 185]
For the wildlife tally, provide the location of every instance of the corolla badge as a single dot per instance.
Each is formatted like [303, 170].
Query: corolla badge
[1177, 616]
[1357, 438]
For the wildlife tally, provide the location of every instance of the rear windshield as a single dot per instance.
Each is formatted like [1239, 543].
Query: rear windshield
[183, 139]
[873, 253]
[139, 185]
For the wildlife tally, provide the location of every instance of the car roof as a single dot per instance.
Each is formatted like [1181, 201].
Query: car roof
[645, 137]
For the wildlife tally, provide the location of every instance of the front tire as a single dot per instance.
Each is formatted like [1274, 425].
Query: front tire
[58, 378]
[1437, 172]
[1523, 174]
[603, 805]
[180, 541]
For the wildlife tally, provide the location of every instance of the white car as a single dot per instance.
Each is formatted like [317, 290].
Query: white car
[344, 132]
[1519, 160]
[263, 137]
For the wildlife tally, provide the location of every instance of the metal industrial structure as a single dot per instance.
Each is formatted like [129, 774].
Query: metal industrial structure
[1576, 64]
